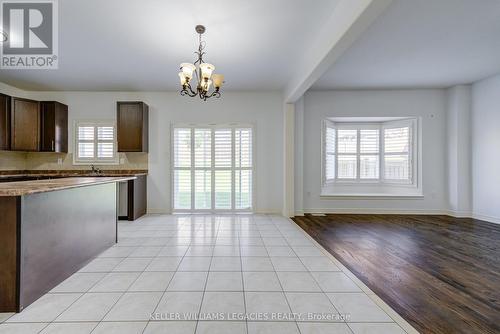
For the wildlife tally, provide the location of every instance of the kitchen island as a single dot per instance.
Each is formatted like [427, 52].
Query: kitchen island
[49, 229]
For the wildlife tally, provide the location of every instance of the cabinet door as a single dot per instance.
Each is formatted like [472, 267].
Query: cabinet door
[48, 139]
[54, 118]
[132, 127]
[25, 125]
[4, 122]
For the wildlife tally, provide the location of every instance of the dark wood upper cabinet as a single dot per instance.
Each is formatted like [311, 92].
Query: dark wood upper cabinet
[54, 126]
[4, 122]
[132, 126]
[25, 125]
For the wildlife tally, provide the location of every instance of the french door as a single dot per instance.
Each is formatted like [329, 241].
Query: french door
[212, 168]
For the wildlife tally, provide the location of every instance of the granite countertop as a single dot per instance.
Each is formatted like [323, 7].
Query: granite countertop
[73, 173]
[39, 186]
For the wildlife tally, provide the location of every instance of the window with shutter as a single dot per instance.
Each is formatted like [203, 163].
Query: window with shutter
[95, 143]
[369, 154]
[369, 151]
[217, 162]
[397, 153]
[182, 168]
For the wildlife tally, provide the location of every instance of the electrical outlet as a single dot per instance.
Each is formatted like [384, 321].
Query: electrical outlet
[59, 161]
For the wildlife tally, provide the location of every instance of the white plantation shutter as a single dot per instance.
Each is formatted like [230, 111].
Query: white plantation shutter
[347, 141]
[223, 147]
[397, 164]
[369, 153]
[85, 149]
[182, 168]
[105, 142]
[182, 147]
[203, 189]
[243, 189]
[369, 140]
[243, 147]
[223, 189]
[330, 149]
[203, 147]
[182, 189]
[223, 159]
[95, 142]
[213, 168]
[347, 148]
[243, 166]
[202, 165]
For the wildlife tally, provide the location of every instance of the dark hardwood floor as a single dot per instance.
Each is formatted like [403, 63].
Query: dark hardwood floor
[441, 274]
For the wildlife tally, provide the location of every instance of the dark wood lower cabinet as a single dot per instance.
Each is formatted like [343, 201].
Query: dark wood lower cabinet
[136, 198]
[46, 237]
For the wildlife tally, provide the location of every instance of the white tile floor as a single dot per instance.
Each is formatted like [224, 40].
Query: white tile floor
[166, 270]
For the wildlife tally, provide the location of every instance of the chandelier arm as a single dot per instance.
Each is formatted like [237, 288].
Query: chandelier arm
[215, 94]
[187, 90]
[191, 90]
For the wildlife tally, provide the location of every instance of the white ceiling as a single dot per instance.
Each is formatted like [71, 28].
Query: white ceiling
[422, 43]
[137, 45]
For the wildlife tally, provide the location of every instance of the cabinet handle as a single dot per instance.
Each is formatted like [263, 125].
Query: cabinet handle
[52, 145]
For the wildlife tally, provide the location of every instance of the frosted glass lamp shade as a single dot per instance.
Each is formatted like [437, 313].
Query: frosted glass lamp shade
[206, 70]
[218, 80]
[188, 69]
[182, 77]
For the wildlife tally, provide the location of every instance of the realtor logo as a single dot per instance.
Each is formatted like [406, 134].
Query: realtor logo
[30, 34]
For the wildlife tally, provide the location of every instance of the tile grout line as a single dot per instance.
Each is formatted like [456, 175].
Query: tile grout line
[82, 294]
[166, 288]
[243, 286]
[284, 294]
[114, 304]
[203, 295]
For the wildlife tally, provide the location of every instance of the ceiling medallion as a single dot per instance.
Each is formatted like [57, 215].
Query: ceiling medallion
[203, 73]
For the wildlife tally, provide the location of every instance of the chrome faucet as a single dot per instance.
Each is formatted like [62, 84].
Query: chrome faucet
[95, 170]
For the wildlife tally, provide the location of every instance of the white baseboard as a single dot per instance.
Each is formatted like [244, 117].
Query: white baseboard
[491, 219]
[459, 214]
[299, 213]
[154, 211]
[377, 211]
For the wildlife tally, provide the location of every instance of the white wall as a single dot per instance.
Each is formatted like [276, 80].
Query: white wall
[429, 105]
[459, 108]
[264, 110]
[486, 149]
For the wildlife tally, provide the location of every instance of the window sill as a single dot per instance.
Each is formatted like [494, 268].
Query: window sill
[371, 196]
[100, 163]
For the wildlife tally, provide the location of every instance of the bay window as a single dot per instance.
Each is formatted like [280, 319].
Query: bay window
[369, 155]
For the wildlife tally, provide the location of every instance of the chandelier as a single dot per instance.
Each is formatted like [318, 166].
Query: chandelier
[203, 73]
